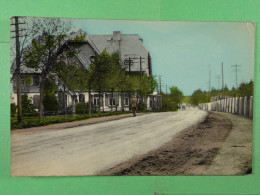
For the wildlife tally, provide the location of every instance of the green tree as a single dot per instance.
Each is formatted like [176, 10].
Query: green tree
[106, 73]
[168, 104]
[246, 89]
[50, 102]
[199, 96]
[176, 94]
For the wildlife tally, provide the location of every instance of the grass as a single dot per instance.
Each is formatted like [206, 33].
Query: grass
[36, 121]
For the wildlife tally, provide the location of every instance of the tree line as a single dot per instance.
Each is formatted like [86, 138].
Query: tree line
[244, 89]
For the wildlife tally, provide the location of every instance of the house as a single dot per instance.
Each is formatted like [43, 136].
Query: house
[133, 56]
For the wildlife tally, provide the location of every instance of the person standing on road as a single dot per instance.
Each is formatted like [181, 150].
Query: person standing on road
[134, 104]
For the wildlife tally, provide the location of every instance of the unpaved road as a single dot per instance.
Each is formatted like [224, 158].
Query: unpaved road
[91, 149]
[190, 151]
[219, 145]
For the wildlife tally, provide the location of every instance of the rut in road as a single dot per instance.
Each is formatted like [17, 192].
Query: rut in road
[91, 149]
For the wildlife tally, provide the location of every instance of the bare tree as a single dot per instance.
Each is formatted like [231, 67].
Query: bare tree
[50, 46]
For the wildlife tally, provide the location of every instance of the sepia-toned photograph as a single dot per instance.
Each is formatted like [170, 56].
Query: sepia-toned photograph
[92, 97]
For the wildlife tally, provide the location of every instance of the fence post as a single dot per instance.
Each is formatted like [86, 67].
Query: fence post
[230, 105]
[246, 106]
[233, 105]
[251, 107]
[241, 106]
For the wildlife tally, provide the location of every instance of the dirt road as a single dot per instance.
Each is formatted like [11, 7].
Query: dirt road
[190, 152]
[91, 149]
[220, 145]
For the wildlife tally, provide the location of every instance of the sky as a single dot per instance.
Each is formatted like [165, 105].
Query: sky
[188, 54]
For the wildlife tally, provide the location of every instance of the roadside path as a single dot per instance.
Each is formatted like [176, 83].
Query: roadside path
[235, 155]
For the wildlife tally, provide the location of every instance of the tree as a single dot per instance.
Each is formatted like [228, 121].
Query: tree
[154, 83]
[168, 104]
[49, 47]
[199, 97]
[246, 89]
[106, 72]
[50, 102]
[176, 94]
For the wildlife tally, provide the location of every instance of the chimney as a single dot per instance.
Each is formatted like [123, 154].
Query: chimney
[116, 36]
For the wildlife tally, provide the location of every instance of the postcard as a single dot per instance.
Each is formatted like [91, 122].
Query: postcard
[127, 97]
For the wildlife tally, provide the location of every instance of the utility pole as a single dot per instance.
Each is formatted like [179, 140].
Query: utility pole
[222, 77]
[18, 66]
[218, 77]
[209, 79]
[236, 69]
[166, 89]
[160, 84]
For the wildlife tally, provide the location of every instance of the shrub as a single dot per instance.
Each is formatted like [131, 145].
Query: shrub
[50, 104]
[168, 104]
[141, 107]
[82, 108]
[27, 107]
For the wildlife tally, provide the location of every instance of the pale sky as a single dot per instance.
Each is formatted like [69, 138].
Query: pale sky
[184, 52]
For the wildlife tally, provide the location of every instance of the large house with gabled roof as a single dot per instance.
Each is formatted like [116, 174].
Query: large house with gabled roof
[131, 51]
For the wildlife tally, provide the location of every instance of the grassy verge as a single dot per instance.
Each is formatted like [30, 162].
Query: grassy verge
[36, 121]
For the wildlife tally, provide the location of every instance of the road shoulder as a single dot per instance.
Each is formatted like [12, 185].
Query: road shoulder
[235, 156]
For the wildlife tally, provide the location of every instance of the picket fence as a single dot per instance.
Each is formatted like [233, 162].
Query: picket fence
[240, 105]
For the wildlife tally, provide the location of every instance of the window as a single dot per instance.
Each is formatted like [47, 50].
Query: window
[92, 58]
[81, 98]
[126, 102]
[95, 99]
[110, 101]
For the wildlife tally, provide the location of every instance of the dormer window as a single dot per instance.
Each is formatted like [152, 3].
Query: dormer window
[92, 58]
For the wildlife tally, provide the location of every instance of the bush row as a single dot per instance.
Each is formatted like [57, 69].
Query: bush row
[36, 121]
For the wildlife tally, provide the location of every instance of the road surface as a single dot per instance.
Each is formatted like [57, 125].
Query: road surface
[91, 149]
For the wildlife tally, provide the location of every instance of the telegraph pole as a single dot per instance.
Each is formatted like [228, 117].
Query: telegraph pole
[236, 69]
[222, 77]
[18, 66]
[209, 79]
[160, 84]
[218, 77]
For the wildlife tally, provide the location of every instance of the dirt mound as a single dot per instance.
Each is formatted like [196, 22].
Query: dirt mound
[190, 152]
